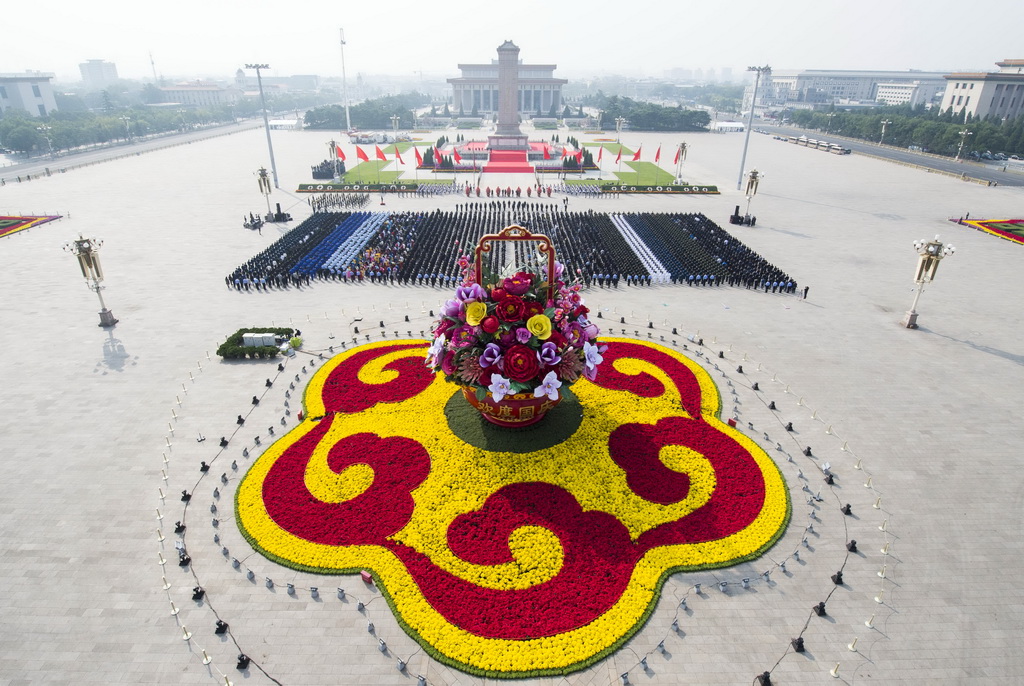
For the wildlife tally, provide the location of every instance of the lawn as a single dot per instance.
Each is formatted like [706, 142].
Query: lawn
[645, 173]
[370, 172]
[613, 148]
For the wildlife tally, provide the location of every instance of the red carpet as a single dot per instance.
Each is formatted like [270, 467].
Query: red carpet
[508, 162]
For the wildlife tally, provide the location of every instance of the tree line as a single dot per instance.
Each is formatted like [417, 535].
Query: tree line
[369, 114]
[931, 130]
[646, 116]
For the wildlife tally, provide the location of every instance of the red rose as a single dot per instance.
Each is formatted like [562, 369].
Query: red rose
[498, 294]
[558, 339]
[490, 324]
[521, 363]
[533, 307]
[580, 311]
[511, 309]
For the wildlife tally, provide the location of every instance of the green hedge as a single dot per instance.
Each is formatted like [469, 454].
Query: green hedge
[232, 348]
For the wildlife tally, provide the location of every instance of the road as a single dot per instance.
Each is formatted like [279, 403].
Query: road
[37, 166]
[990, 173]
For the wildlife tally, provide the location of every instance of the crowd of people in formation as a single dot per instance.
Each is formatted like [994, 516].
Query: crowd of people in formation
[425, 189]
[598, 249]
[588, 189]
[333, 202]
[272, 267]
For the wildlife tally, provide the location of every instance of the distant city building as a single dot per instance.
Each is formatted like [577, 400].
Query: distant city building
[809, 88]
[200, 94]
[297, 82]
[29, 91]
[911, 93]
[98, 74]
[982, 94]
[477, 89]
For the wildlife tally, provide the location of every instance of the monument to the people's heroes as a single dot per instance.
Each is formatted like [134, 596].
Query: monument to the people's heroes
[507, 135]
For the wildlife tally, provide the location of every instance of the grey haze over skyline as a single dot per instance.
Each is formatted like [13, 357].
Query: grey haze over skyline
[191, 39]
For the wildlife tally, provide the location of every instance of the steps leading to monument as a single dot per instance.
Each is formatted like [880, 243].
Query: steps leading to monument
[508, 162]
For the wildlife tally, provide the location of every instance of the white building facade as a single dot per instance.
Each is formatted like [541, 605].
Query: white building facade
[818, 87]
[29, 91]
[477, 90]
[987, 94]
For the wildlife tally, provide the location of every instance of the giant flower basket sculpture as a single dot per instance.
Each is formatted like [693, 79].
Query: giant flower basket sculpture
[515, 335]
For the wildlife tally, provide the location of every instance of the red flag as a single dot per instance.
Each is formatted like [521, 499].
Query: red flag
[636, 155]
[678, 150]
[547, 152]
[565, 153]
[419, 157]
[579, 157]
[341, 155]
[437, 157]
[458, 157]
[380, 153]
[657, 155]
[600, 153]
[398, 155]
[361, 155]
[618, 158]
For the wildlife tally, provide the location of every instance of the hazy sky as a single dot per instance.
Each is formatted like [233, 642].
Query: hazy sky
[637, 37]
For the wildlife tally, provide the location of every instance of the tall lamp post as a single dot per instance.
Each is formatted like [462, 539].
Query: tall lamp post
[86, 250]
[619, 121]
[758, 71]
[266, 121]
[127, 129]
[884, 122]
[930, 254]
[960, 148]
[344, 83]
[45, 130]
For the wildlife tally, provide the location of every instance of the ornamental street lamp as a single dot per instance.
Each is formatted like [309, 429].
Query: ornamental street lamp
[619, 121]
[960, 148]
[332, 145]
[758, 71]
[753, 179]
[395, 119]
[86, 250]
[266, 122]
[264, 183]
[127, 129]
[45, 130]
[931, 253]
[884, 122]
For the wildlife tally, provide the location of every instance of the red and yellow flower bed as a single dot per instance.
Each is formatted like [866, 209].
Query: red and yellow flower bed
[514, 564]
[1010, 229]
[12, 225]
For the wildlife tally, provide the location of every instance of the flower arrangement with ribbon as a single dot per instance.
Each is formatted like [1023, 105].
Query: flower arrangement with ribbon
[519, 334]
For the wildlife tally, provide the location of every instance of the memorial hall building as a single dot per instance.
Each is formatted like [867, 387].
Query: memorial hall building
[477, 90]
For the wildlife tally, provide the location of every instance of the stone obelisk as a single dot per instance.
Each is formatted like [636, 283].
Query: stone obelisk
[508, 136]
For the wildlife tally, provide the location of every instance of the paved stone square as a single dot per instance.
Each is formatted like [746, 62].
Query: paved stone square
[929, 416]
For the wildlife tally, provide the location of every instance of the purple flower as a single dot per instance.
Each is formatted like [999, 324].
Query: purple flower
[590, 373]
[523, 335]
[435, 349]
[451, 308]
[499, 388]
[574, 334]
[548, 386]
[464, 337]
[548, 355]
[470, 293]
[592, 357]
[491, 355]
